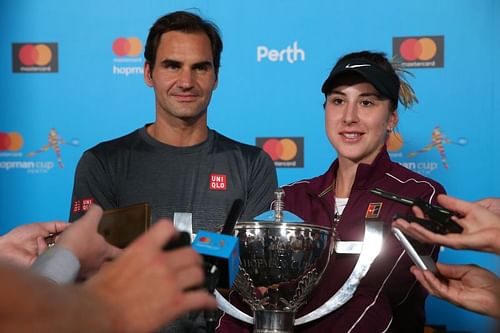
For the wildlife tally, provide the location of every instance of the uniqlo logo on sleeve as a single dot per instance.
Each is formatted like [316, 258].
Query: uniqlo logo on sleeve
[218, 182]
[82, 205]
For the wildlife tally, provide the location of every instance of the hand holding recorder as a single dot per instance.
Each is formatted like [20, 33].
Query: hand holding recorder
[157, 278]
[481, 227]
[468, 286]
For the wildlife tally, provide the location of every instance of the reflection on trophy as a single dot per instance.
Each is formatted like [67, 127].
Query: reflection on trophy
[280, 263]
[282, 259]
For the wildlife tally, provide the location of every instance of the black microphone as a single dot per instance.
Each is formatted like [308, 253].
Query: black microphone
[217, 263]
[216, 267]
[220, 251]
[232, 217]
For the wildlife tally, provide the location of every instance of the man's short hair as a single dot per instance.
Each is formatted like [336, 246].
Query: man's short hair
[184, 22]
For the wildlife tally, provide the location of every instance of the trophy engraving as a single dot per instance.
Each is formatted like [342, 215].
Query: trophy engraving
[280, 263]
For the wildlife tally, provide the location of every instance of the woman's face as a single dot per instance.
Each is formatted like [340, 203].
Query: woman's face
[357, 121]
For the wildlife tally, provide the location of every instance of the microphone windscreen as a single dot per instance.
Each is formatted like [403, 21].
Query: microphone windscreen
[221, 250]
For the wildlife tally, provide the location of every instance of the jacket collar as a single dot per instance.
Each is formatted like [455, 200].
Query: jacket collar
[366, 175]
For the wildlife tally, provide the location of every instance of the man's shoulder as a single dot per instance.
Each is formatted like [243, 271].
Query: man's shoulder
[224, 143]
[123, 142]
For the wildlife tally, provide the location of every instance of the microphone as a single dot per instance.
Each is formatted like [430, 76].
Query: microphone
[221, 251]
[232, 217]
[221, 254]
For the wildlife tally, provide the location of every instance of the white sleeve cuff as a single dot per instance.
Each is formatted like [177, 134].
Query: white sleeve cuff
[57, 264]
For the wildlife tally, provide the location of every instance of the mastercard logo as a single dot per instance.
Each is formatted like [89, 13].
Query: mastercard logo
[285, 152]
[130, 47]
[422, 49]
[11, 141]
[204, 239]
[280, 149]
[419, 51]
[38, 55]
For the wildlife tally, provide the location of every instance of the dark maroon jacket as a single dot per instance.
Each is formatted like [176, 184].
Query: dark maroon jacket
[388, 298]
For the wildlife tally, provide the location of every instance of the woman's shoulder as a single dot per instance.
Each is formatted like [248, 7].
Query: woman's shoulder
[403, 181]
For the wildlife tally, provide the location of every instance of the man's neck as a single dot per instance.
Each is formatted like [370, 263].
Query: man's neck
[178, 136]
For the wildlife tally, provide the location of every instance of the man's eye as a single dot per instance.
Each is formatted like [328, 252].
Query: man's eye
[202, 68]
[172, 66]
[337, 101]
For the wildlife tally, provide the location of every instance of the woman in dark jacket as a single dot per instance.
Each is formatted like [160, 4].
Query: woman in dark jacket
[361, 100]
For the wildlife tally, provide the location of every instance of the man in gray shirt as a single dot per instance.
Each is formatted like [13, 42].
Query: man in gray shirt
[177, 164]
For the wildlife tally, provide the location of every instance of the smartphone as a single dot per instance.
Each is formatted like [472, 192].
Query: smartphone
[120, 226]
[427, 224]
[422, 262]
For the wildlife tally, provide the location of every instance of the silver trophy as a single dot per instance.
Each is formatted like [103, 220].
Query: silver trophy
[282, 260]
[280, 263]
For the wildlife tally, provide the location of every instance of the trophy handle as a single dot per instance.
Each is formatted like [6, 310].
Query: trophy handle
[369, 250]
[372, 244]
[230, 309]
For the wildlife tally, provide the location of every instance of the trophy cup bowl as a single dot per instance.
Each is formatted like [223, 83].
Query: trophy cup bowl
[280, 263]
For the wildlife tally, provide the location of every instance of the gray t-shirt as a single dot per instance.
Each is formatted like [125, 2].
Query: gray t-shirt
[203, 180]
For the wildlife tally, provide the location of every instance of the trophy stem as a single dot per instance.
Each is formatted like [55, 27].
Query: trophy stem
[273, 321]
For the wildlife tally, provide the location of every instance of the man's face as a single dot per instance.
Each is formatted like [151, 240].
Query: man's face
[183, 77]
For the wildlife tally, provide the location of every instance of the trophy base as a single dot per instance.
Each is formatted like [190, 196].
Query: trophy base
[273, 321]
